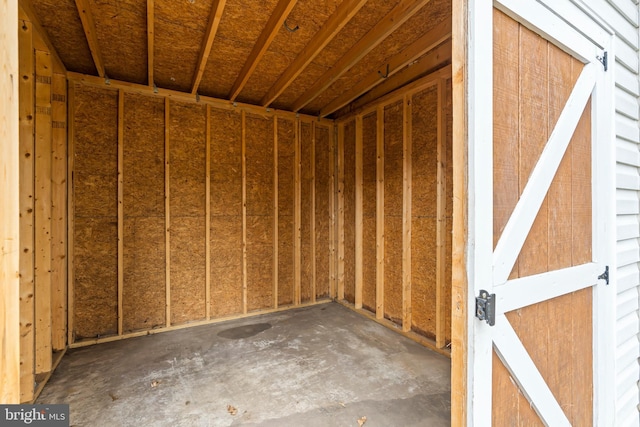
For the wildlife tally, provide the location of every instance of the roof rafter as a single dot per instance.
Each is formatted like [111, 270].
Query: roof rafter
[411, 53]
[27, 9]
[150, 41]
[394, 19]
[89, 27]
[277, 18]
[214, 22]
[335, 23]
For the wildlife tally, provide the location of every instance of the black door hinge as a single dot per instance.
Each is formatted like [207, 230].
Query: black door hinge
[604, 60]
[486, 307]
[605, 276]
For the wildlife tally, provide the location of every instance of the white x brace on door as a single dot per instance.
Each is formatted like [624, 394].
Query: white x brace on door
[541, 221]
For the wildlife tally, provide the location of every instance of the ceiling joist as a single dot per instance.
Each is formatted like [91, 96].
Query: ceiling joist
[335, 23]
[89, 28]
[394, 19]
[150, 41]
[214, 22]
[424, 44]
[279, 15]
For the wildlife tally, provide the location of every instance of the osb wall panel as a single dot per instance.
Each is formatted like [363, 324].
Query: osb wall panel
[369, 163]
[349, 210]
[323, 192]
[286, 190]
[306, 182]
[259, 167]
[393, 131]
[187, 139]
[95, 216]
[423, 240]
[226, 213]
[143, 213]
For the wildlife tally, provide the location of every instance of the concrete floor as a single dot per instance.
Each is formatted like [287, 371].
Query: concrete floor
[319, 366]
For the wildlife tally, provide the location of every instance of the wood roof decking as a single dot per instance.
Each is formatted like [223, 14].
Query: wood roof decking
[299, 55]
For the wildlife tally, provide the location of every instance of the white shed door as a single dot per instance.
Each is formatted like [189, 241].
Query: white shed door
[541, 219]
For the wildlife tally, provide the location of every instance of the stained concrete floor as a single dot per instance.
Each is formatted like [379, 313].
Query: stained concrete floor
[319, 366]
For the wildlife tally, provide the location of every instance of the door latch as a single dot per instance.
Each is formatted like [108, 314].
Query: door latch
[486, 307]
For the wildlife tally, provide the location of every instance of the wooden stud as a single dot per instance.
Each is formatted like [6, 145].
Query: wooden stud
[394, 19]
[150, 41]
[380, 213]
[333, 25]
[407, 180]
[59, 212]
[441, 219]
[277, 18]
[341, 224]
[43, 212]
[312, 215]
[214, 22]
[27, 149]
[175, 95]
[410, 54]
[359, 215]
[460, 294]
[167, 212]
[89, 27]
[333, 262]
[297, 221]
[244, 213]
[120, 207]
[70, 212]
[276, 251]
[26, 8]
[207, 219]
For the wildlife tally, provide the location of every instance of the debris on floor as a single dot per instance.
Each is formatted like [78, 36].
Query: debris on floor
[232, 410]
[361, 421]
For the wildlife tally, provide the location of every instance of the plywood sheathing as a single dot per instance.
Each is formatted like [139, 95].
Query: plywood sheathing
[226, 213]
[286, 190]
[393, 128]
[349, 210]
[69, 39]
[259, 158]
[323, 194]
[179, 33]
[306, 185]
[369, 127]
[423, 21]
[240, 27]
[143, 203]
[121, 30]
[187, 201]
[308, 16]
[95, 236]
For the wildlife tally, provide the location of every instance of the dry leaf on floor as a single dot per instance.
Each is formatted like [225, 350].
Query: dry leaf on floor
[232, 410]
[113, 397]
[154, 383]
[361, 421]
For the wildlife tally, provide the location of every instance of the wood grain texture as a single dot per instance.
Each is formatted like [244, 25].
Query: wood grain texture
[323, 213]
[369, 179]
[349, 210]
[306, 190]
[286, 190]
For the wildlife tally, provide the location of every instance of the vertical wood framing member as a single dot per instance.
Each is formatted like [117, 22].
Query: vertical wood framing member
[150, 41]
[333, 262]
[244, 212]
[380, 212]
[9, 214]
[340, 211]
[207, 219]
[407, 178]
[313, 213]
[441, 220]
[167, 213]
[359, 215]
[275, 212]
[26, 147]
[297, 220]
[59, 211]
[70, 212]
[43, 349]
[120, 207]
